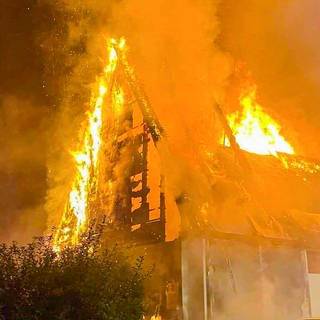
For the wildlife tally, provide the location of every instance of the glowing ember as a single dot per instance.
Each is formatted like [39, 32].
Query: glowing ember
[304, 165]
[84, 186]
[254, 130]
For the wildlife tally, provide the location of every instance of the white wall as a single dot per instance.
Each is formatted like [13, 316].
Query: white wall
[314, 283]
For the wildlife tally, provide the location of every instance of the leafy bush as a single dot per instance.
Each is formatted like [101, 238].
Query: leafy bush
[80, 282]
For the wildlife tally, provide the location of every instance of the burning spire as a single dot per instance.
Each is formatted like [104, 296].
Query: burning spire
[91, 187]
[85, 182]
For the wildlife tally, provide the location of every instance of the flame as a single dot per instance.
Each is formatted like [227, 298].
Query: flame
[85, 183]
[257, 132]
[254, 130]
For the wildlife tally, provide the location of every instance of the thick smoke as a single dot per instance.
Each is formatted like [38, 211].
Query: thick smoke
[183, 54]
[172, 47]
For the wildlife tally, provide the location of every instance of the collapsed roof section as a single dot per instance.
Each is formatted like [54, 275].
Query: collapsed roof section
[263, 200]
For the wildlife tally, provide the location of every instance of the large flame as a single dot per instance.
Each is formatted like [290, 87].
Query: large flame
[254, 130]
[85, 183]
[257, 132]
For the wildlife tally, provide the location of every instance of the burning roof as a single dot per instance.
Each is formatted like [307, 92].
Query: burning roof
[271, 192]
[269, 201]
[263, 191]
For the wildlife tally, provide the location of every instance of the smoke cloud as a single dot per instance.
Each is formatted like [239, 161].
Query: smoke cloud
[183, 52]
[172, 48]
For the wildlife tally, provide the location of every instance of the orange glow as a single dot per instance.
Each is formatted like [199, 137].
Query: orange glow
[254, 130]
[85, 182]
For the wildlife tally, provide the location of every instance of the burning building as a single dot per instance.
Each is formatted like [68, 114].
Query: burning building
[237, 240]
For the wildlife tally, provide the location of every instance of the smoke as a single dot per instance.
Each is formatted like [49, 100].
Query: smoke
[174, 52]
[23, 170]
[183, 54]
[172, 48]
[276, 41]
[248, 281]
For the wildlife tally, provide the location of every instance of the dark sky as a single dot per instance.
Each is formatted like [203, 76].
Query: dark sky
[36, 61]
[26, 106]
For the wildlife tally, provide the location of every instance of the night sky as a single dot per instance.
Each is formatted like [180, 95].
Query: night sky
[27, 105]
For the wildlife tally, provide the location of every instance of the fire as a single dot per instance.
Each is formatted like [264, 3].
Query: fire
[85, 182]
[254, 130]
[304, 165]
[257, 132]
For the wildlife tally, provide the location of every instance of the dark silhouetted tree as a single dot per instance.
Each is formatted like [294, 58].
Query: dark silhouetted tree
[80, 282]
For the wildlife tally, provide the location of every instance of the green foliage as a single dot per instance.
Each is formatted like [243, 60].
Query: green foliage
[81, 282]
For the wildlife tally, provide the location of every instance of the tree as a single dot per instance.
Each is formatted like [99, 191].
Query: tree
[80, 282]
